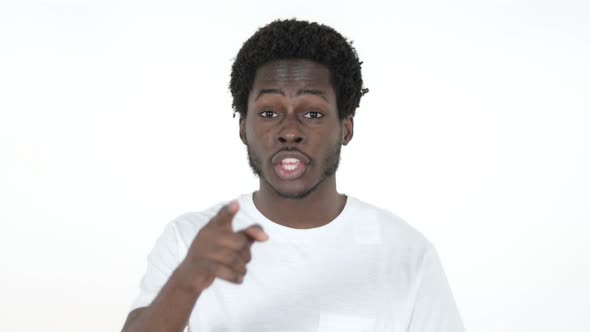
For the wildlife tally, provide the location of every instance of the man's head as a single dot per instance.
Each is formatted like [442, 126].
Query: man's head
[292, 39]
[296, 86]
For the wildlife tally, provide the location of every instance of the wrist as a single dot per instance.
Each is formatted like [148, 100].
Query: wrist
[187, 280]
[184, 281]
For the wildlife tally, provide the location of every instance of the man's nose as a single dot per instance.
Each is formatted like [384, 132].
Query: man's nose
[290, 132]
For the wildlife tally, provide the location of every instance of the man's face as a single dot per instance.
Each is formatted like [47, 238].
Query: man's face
[292, 129]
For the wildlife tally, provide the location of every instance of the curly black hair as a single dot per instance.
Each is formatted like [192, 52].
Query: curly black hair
[294, 39]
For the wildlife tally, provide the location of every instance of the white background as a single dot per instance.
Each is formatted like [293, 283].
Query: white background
[115, 117]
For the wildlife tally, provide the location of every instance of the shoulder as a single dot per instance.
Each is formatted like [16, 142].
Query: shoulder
[394, 230]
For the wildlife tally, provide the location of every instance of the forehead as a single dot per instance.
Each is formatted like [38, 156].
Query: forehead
[296, 72]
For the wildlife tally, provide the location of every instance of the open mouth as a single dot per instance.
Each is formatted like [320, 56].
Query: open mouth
[290, 168]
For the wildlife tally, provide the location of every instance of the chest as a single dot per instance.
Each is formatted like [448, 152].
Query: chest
[294, 287]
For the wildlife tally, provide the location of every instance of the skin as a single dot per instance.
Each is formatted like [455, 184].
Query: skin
[283, 114]
[216, 252]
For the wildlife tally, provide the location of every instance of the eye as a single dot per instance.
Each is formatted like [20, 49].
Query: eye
[313, 115]
[268, 114]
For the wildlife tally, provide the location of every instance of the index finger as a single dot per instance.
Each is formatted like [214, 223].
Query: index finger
[255, 233]
[226, 214]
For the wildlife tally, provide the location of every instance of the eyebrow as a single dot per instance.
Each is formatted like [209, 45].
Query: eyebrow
[314, 92]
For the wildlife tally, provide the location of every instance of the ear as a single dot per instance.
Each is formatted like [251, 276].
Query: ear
[347, 129]
[243, 130]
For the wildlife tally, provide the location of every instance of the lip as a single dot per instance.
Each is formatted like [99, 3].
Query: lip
[289, 154]
[289, 175]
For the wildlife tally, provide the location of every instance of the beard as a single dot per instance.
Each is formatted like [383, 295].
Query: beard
[329, 168]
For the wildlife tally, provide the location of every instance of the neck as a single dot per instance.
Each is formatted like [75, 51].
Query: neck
[316, 209]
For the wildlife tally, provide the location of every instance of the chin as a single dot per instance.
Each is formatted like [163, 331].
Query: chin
[292, 190]
[293, 195]
[288, 190]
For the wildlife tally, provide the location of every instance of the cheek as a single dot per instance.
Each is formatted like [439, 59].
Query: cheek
[257, 135]
[329, 137]
[248, 131]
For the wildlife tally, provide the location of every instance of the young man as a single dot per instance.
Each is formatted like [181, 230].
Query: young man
[295, 255]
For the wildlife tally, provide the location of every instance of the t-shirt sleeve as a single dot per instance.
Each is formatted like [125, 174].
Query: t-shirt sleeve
[161, 262]
[434, 308]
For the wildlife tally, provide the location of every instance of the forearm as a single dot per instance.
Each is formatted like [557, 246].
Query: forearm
[170, 310]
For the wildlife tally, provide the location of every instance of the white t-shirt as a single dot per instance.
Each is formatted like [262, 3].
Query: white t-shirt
[366, 270]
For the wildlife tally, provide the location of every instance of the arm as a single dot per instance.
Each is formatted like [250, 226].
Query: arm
[216, 252]
[169, 311]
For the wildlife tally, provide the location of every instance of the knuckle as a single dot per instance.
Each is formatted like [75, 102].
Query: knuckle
[244, 241]
[232, 258]
[238, 241]
[245, 255]
[240, 268]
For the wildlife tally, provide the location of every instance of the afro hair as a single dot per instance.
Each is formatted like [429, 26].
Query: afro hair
[294, 39]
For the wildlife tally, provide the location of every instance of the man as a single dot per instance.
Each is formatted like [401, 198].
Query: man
[295, 255]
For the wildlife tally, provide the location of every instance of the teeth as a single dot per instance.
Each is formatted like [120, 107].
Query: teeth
[290, 164]
[290, 161]
[289, 167]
